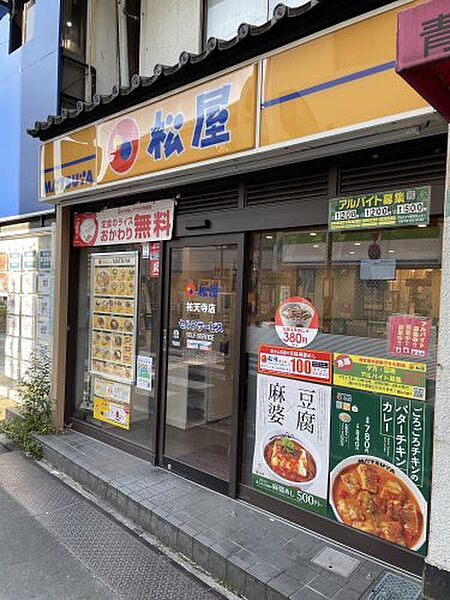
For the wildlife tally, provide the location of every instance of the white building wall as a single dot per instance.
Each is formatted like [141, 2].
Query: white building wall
[168, 28]
[439, 537]
[104, 52]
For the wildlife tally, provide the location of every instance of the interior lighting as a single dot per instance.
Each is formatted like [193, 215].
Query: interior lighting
[312, 234]
[357, 243]
[352, 252]
[69, 23]
[269, 237]
[315, 245]
[391, 251]
[423, 225]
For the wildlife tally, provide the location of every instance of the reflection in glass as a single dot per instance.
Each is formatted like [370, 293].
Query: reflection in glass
[200, 376]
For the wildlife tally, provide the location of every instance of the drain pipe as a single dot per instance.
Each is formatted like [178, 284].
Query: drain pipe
[124, 70]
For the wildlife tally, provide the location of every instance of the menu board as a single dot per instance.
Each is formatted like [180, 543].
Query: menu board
[380, 465]
[113, 315]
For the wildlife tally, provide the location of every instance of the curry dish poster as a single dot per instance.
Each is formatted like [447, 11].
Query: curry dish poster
[380, 465]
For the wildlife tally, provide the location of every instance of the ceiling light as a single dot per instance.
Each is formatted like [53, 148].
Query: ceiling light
[351, 252]
[391, 251]
[357, 243]
[315, 245]
[312, 234]
[269, 237]
[421, 225]
[69, 23]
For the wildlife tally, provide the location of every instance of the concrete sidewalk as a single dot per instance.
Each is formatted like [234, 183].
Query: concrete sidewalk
[57, 545]
[255, 554]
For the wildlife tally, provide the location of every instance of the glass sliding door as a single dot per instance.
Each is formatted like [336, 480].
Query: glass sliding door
[200, 375]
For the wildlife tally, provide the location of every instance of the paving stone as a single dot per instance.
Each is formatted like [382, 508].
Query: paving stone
[327, 585]
[303, 571]
[235, 577]
[347, 593]
[200, 554]
[216, 565]
[254, 589]
[306, 593]
[264, 571]
[185, 544]
[284, 584]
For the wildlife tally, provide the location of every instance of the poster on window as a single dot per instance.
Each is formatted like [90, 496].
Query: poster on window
[114, 280]
[296, 322]
[380, 466]
[112, 413]
[372, 374]
[409, 336]
[144, 373]
[291, 453]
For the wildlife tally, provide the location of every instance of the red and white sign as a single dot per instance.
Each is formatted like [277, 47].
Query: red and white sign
[409, 336]
[140, 223]
[296, 322]
[154, 260]
[308, 365]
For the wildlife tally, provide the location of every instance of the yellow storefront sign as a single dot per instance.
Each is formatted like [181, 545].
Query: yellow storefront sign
[208, 121]
[114, 413]
[69, 163]
[342, 80]
[338, 80]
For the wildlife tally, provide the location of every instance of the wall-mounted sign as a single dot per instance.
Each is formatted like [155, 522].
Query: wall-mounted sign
[423, 51]
[307, 365]
[210, 120]
[296, 322]
[380, 466]
[113, 315]
[291, 453]
[381, 209]
[394, 377]
[381, 269]
[341, 85]
[147, 222]
[409, 336]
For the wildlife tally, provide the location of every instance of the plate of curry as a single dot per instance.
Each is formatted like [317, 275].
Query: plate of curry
[374, 496]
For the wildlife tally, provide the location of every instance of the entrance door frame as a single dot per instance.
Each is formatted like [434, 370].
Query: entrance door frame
[230, 487]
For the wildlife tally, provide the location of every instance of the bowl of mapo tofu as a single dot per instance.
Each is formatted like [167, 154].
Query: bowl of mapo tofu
[290, 460]
[374, 496]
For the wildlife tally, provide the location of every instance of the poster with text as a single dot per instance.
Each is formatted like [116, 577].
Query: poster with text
[291, 451]
[296, 322]
[113, 315]
[380, 465]
[374, 374]
[144, 370]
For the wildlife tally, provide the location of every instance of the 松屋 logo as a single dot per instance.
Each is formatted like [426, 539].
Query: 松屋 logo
[123, 145]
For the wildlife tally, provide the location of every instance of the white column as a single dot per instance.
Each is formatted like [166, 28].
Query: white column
[439, 536]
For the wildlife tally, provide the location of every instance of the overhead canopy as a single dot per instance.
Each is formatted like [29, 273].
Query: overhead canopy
[423, 52]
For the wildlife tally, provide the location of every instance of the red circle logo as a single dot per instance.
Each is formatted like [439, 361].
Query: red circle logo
[123, 145]
[190, 290]
[343, 362]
